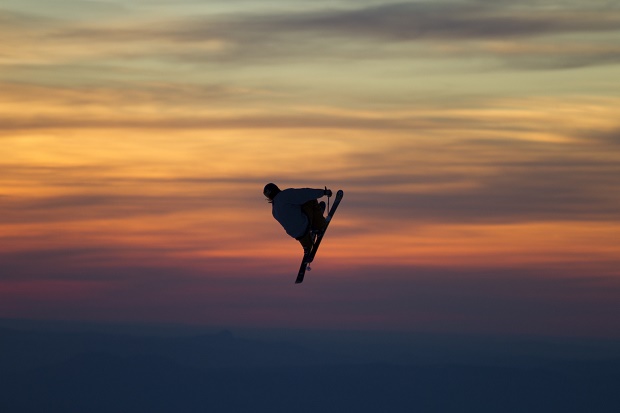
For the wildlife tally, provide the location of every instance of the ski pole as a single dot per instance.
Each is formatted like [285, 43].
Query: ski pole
[327, 199]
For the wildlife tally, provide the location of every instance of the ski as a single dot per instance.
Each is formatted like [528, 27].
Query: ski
[307, 259]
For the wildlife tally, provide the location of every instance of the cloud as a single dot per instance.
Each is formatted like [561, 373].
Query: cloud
[563, 299]
[64, 10]
[23, 21]
[609, 139]
[518, 181]
[73, 196]
[125, 103]
[396, 21]
[443, 20]
[397, 30]
[421, 29]
[524, 299]
[266, 121]
[95, 206]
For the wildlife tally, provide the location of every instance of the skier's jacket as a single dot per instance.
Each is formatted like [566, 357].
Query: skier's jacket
[286, 209]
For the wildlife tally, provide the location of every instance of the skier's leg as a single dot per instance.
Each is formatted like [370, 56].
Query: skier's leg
[318, 220]
[315, 214]
[306, 242]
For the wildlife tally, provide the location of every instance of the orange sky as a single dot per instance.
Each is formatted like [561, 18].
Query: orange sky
[136, 140]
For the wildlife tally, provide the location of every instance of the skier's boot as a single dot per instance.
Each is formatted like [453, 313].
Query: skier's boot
[322, 206]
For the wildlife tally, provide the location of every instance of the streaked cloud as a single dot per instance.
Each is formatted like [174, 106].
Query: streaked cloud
[387, 22]
[535, 33]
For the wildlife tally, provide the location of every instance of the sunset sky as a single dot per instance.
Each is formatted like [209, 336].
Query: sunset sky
[477, 143]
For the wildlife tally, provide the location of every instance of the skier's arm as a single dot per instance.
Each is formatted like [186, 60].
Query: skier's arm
[303, 195]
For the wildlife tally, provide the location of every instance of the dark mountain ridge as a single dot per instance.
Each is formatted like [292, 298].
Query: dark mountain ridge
[95, 371]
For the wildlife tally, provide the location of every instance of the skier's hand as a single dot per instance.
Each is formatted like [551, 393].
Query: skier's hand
[328, 192]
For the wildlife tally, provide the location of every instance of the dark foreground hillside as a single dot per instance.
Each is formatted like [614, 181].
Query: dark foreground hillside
[81, 371]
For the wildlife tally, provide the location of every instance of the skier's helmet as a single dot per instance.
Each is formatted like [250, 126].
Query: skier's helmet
[271, 190]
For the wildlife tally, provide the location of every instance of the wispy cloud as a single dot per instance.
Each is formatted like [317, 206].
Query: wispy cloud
[396, 30]
[429, 20]
[389, 22]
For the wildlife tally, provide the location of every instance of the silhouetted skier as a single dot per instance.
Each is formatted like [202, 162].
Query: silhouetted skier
[298, 211]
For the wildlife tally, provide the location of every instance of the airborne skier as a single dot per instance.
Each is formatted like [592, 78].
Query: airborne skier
[298, 211]
[301, 215]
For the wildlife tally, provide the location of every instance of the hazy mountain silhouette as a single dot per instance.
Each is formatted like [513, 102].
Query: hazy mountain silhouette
[82, 371]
